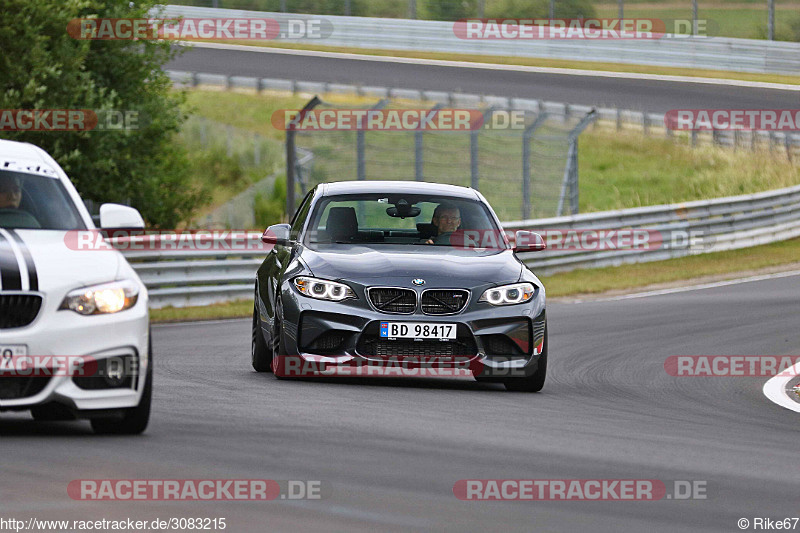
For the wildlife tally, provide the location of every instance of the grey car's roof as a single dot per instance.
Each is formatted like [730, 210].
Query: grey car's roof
[397, 187]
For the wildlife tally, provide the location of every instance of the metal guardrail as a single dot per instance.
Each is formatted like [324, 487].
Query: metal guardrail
[181, 278]
[714, 53]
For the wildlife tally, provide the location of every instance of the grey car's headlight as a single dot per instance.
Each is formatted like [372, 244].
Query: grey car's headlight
[102, 299]
[515, 293]
[323, 289]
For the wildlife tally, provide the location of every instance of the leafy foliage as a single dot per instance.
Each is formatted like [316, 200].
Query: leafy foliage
[42, 67]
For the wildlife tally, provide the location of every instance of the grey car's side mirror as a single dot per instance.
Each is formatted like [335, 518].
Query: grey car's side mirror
[528, 241]
[116, 216]
[277, 234]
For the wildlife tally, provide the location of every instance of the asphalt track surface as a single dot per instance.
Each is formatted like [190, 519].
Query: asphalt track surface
[646, 95]
[390, 450]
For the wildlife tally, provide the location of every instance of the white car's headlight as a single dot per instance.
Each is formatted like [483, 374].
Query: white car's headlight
[102, 299]
[515, 293]
[323, 289]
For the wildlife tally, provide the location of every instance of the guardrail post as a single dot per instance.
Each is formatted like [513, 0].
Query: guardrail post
[645, 124]
[527, 137]
[291, 155]
[361, 171]
[570, 181]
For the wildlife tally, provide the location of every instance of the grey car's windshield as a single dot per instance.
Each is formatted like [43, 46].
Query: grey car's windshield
[29, 201]
[411, 219]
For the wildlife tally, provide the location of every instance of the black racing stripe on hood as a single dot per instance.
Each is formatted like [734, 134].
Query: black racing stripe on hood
[33, 277]
[10, 277]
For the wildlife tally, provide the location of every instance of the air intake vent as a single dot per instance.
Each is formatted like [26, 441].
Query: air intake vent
[17, 387]
[393, 300]
[444, 301]
[18, 310]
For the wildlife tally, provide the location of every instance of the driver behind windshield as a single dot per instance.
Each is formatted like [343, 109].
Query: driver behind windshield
[10, 192]
[447, 219]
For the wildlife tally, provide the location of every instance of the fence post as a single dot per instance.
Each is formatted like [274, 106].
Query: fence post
[787, 142]
[474, 158]
[291, 155]
[419, 160]
[645, 124]
[361, 171]
[570, 180]
[527, 136]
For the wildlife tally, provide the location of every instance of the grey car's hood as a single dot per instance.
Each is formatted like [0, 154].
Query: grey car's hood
[397, 265]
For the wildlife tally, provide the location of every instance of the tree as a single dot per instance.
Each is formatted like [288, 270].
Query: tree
[42, 67]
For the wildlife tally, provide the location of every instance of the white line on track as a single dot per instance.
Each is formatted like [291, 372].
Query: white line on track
[775, 389]
[495, 66]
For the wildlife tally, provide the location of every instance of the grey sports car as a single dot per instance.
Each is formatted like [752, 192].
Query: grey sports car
[417, 274]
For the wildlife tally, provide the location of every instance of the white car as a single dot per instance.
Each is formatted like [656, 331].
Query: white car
[74, 323]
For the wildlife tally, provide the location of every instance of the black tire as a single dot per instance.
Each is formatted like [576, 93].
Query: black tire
[278, 351]
[535, 381]
[260, 353]
[134, 421]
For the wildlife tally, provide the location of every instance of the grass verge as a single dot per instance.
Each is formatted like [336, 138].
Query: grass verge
[236, 309]
[720, 265]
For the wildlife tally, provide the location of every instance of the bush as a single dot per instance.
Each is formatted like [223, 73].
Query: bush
[269, 210]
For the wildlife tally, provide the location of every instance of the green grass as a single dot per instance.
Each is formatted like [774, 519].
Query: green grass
[581, 282]
[631, 170]
[237, 309]
[745, 20]
[728, 264]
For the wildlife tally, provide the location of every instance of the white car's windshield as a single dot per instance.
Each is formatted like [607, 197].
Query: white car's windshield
[28, 201]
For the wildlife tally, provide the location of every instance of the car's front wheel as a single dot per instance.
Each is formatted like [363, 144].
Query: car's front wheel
[535, 381]
[135, 420]
[260, 353]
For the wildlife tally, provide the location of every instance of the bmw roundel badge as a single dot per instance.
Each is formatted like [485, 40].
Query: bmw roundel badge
[418, 281]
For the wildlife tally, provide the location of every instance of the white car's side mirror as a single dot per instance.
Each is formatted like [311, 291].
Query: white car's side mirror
[113, 216]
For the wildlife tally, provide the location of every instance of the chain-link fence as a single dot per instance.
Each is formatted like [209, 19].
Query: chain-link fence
[523, 161]
[230, 159]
